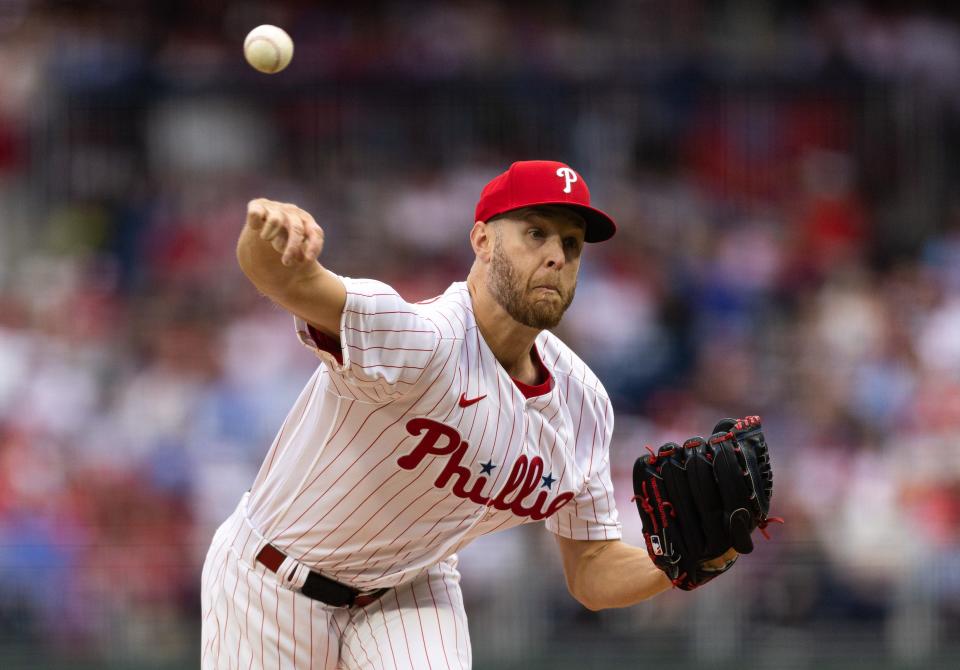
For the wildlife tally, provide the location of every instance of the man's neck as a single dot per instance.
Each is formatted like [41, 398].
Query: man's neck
[510, 341]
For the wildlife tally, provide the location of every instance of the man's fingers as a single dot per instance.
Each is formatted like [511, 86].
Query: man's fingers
[269, 231]
[314, 245]
[256, 213]
[315, 240]
[279, 242]
[293, 252]
[312, 237]
[291, 231]
[307, 218]
[275, 226]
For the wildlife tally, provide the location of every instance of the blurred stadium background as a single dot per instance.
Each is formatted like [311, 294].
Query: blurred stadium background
[785, 176]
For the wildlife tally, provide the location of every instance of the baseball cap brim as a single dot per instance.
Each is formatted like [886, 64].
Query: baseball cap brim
[600, 227]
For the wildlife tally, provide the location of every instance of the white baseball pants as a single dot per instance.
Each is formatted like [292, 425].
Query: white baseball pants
[252, 621]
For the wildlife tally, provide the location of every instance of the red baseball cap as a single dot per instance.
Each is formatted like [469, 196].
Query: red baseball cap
[532, 183]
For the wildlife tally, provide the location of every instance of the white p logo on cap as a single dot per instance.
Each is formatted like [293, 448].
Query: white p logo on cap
[569, 176]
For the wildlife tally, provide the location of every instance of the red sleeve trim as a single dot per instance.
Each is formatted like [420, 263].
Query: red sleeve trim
[326, 343]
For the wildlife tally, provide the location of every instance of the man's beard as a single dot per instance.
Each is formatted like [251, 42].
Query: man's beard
[510, 292]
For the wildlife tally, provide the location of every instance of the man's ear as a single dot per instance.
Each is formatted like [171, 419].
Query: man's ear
[482, 238]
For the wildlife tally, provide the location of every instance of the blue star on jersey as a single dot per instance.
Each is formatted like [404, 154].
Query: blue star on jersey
[548, 481]
[487, 468]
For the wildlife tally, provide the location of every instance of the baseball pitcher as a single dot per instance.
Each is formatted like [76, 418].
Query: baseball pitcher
[427, 425]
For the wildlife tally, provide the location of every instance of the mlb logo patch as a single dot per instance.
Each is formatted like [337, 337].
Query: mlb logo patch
[655, 545]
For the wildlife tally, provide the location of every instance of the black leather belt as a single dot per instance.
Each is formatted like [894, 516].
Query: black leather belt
[317, 586]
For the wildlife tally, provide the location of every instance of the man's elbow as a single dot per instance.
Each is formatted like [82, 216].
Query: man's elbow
[591, 605]
[596, 600]
[585, 598]
[594, 604]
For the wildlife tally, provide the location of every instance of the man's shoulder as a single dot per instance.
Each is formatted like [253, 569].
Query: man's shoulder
[451, 311]
[567, 367]
[455, 296]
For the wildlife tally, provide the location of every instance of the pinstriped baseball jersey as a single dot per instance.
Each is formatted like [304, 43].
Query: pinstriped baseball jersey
[411, 440]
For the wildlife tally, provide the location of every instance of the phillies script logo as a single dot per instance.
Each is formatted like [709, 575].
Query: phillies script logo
[524, 478]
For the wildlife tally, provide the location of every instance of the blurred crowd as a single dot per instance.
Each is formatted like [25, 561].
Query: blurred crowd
[784, 176]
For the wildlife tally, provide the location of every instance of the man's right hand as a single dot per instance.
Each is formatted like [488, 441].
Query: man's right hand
[291, 231]
[298, 283]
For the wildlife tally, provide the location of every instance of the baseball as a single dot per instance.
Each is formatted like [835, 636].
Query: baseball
[268, 49]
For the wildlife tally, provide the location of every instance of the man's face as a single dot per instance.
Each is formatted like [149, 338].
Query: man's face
[533, 269]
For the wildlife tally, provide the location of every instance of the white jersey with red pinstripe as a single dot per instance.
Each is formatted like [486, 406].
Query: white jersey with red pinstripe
[411, 440]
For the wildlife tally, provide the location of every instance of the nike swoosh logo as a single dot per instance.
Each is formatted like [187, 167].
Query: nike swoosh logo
[466, 403]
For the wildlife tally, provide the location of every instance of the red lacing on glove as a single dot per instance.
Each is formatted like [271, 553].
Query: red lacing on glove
[763, 524]
[660, 503]
[747, 422]
[653, 454]
[665, 504]
[717, 439]
[678, 580]
[645, 504]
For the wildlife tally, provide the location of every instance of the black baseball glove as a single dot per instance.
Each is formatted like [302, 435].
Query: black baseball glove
[701, 499]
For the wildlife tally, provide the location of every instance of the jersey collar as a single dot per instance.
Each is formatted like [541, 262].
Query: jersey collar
[542, 388]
